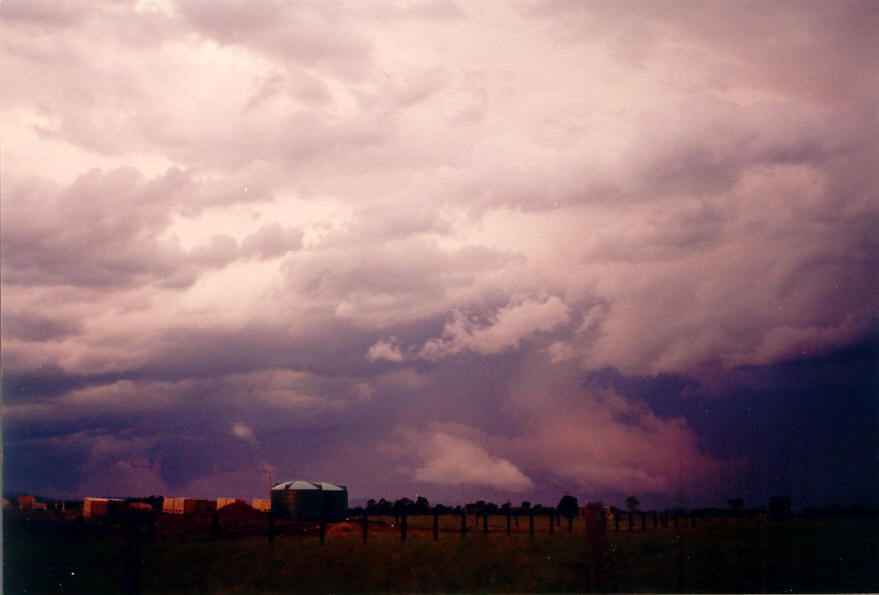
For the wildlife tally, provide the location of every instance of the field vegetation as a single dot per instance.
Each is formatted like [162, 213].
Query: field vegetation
[47, 554]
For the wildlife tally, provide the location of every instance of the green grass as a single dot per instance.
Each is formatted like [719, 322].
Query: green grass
[720, 556]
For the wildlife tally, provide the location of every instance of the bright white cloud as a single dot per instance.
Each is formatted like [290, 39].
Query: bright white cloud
[243, 432]
[441, 457]
[504, 330]
[388, 350]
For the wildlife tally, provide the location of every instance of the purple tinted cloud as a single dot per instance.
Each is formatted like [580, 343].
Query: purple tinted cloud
[310, 228]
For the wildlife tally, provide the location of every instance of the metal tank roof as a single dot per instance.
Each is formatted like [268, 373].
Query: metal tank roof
[297, 485]
[331, 487]
[300, 484]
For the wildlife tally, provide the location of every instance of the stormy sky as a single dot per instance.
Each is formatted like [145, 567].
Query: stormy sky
[479, 250]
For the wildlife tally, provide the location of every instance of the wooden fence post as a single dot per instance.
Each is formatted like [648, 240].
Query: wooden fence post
[435, 525]
[596, 534]
[531, 523]
[463, 524]
[365, 525]
[271, 529]
[631, 521]
[643, 521]
[215, 527]
[616, 522]
[509, 528]
[403, 526]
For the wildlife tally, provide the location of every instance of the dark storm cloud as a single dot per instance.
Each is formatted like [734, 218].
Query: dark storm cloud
[34, 327]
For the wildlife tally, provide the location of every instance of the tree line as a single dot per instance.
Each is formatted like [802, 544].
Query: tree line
[567, 507]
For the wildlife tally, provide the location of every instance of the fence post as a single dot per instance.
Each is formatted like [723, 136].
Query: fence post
[531, 523]
[517, 519]
[403, 526]
[596, 534]
[365, 522]
[643, 521]
[631, 521]
[435, 525]
[509, 529]
[484, 523]
[616, 522]
[463, 524]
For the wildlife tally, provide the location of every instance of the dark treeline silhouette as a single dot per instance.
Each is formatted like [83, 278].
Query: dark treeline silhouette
[567, 507]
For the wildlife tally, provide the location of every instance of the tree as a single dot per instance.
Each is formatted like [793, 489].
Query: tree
[779, 508]
[383, 507]
[568, 506]
[632, 503]
[403, 506]
[422, 506]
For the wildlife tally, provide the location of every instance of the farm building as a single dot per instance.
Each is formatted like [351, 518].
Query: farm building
[310, 501]
[188, 506]
[262, 504]
[99, 507]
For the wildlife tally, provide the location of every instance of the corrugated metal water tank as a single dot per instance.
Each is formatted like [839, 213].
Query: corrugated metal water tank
[335, 501]
[309, 501]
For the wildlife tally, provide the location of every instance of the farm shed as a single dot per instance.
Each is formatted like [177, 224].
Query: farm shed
[262, 504]
[98, 507]
[188, 506]
[310, 501]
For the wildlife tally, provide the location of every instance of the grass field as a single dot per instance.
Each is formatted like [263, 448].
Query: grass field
[840, 555]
